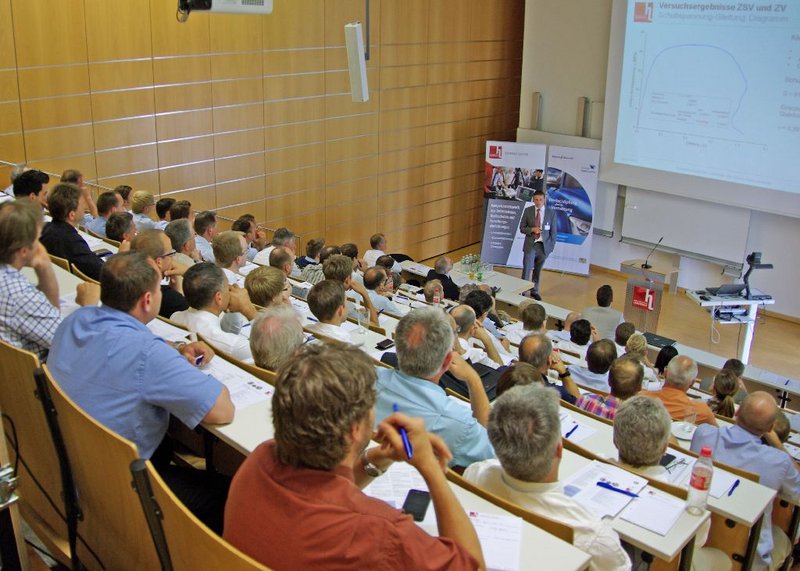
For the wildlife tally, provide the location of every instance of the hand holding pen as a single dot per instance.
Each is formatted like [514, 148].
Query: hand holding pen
[428, 451]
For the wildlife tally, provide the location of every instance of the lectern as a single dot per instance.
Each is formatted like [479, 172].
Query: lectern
[643, 304]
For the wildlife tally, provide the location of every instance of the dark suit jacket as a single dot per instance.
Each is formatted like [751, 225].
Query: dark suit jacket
[62, 239]
[548, 235]
[451, 290]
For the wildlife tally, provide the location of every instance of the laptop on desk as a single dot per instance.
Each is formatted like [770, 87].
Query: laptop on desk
[726, 289]
[658, 341]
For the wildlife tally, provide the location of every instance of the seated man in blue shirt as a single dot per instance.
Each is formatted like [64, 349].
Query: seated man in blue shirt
[113, 367]
[740, 446]
[424, 340]
[375, 280]
[537, 350]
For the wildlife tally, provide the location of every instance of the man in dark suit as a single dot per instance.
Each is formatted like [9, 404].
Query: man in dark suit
[441, 272]
[539, 226]
[61, 237]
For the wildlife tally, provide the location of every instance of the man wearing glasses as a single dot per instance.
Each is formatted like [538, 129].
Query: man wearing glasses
[156, 245]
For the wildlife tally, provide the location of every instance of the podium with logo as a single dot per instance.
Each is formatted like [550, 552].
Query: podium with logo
[643, 304]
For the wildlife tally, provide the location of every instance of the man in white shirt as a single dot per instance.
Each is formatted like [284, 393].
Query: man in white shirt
[378, 246]
[205, 227]
[209, 296]
[255, 237]
[563, 335]
[533, 320]
[599, 357]
[580, 335]
[326, 300]
[642, 428]
[468, 330]
[282, 237]
[339, 268]
[603, 317]
[230, 254]
[375, 280]
[181, 234]
[162, 211]
[525, 431]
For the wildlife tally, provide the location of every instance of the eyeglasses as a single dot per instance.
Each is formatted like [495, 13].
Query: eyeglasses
[168, 254]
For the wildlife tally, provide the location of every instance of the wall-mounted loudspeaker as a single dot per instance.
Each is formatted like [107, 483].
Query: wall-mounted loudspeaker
[356, 61]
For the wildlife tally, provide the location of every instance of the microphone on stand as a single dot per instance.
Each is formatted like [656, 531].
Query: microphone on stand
[647, 266]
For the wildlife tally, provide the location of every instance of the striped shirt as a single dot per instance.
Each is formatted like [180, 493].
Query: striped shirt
[598, 405]
[27, 318]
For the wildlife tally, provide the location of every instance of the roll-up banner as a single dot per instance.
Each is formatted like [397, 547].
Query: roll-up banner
[513, 172]
[571, 191]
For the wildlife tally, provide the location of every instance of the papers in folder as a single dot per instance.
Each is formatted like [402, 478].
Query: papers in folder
[582, 487]
[500, 535]
[654, 510]
[245, 389]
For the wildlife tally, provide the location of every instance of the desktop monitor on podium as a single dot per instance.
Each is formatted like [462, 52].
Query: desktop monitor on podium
[643, 304]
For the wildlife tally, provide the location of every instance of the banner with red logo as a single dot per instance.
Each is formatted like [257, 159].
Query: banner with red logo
[644, 298]
[513, 172]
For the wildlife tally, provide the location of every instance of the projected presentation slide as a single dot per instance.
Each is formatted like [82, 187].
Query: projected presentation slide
[712, 89]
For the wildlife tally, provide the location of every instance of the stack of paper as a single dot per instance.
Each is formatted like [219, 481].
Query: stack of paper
[245, 389]
[500, 537]
[601, 501]
[167, 331]
[654, 510]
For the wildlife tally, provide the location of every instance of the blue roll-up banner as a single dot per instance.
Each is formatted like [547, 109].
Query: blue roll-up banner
[513, 172]
[571, 191]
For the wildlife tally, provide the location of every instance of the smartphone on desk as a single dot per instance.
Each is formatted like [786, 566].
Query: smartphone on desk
[385, 344]
[416, 504]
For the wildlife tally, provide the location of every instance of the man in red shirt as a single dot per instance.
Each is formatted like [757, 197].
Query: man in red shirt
[296, 502]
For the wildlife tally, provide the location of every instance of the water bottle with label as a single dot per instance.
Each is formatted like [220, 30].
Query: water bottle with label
[700, 483]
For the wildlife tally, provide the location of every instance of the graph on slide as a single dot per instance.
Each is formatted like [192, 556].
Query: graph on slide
[712, 93]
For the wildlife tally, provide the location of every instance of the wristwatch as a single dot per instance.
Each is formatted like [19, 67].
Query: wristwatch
[370, 469]
[564, 375]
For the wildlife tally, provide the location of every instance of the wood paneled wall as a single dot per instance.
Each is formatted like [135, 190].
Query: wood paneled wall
[253, 113]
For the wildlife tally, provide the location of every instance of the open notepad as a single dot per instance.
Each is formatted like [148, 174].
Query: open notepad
[500, 534]
[573, 430]
[602, 502]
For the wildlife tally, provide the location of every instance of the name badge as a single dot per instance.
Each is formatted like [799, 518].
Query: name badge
[547, 227]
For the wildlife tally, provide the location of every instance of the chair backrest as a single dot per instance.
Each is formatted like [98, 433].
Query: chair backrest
[451, 393]
[112, 523]
[560, 530]
[31, 450]
[182, 540]
[62, 263]
[76, 272]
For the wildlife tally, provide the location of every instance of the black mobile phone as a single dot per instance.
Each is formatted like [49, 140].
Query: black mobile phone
[103, 253]
[385, 344]
[666, 459]
[416, 504]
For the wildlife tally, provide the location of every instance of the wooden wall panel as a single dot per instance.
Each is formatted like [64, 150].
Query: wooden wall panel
[248, 114]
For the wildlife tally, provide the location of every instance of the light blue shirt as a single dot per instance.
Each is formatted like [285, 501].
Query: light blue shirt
[453, 423]
[205, 249]
[143, 222]
[735, 446]
[160, 225]
[97, 225]
[382, 303]
[128, 379]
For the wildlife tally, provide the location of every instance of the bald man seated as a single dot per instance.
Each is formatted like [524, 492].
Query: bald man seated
[741, 446]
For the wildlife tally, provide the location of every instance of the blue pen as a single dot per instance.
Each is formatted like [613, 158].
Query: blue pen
[786, 383]
[314, 319]
[403, 435]
[571, 430]
[733, 487]
[607, 486]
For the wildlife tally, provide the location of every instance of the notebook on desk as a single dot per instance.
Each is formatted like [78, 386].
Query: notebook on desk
[658, 340]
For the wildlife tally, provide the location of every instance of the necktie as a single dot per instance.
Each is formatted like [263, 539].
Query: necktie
[538, 217]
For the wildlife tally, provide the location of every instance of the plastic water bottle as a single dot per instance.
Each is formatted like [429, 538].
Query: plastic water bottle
[700, 483]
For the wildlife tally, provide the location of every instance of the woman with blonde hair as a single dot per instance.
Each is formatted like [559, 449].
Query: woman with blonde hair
[636, 348]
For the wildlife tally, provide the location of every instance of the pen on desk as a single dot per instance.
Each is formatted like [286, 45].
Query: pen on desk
[607, 486]
[786, 383]
[571, 430]
[314, 319]
[733, 487]
[403, 435]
